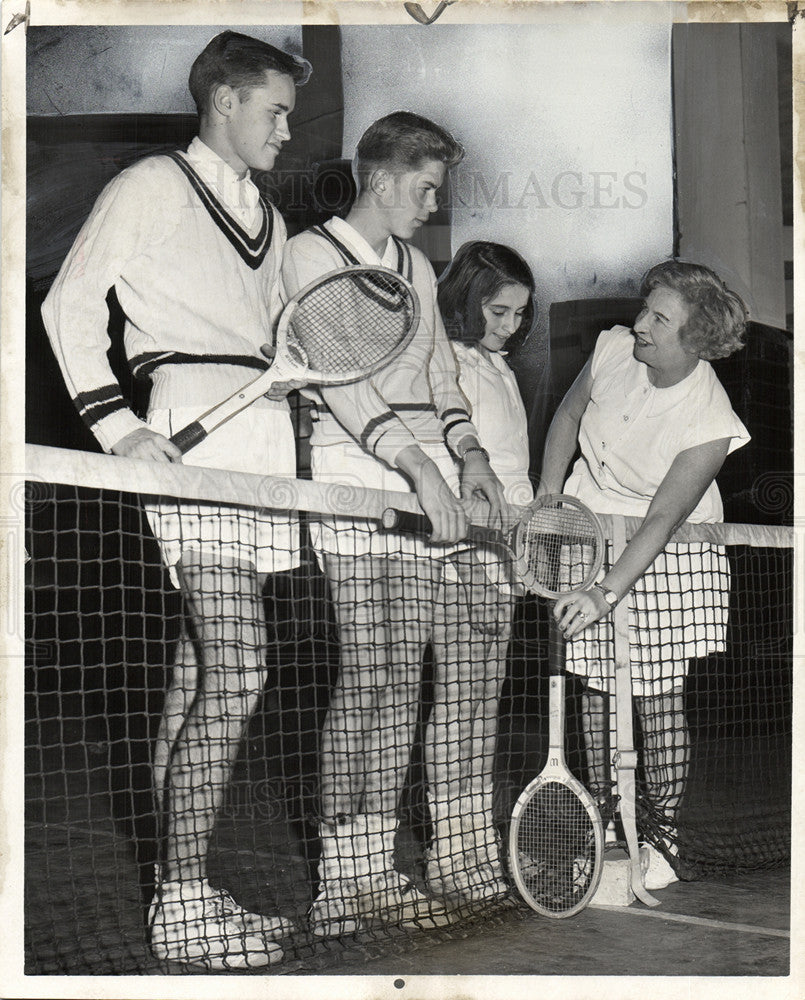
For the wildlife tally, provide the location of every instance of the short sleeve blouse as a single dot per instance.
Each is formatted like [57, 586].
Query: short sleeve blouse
[632, 431]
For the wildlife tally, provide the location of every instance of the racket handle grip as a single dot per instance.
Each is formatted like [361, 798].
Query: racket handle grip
[403, 520]
[188, 437]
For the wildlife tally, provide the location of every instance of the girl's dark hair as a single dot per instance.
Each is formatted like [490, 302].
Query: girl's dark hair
[400, 142]
[240, 61]
[476, 274]
[716, 320]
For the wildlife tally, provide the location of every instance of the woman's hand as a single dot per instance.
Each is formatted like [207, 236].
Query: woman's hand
[576, 612]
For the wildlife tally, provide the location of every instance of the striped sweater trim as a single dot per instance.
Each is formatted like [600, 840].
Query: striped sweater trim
[143, 365]
[456, 411]
[345, 252]
[405, 263]
[252, 249]
[373, 428]
[96, 404]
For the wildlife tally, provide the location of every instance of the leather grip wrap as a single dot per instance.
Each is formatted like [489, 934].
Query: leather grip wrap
[188, 437]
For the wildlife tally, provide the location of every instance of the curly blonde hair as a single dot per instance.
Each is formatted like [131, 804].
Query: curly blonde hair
[716, 322]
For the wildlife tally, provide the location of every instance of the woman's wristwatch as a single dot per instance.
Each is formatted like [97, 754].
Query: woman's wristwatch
[609, 595]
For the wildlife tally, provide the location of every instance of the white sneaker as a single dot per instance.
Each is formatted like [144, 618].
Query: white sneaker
[271, 927]
[391, 898]
[192, 923]
[345, 906]
[336, 910]
[657, 872]
[465, 878]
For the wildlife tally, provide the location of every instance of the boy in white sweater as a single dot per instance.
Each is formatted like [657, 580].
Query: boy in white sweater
[393, 595]
[194, 252]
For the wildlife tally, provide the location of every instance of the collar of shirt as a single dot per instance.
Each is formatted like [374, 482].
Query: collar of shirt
[363, 251]
[471, 355]
[663, 400]
[239, 195]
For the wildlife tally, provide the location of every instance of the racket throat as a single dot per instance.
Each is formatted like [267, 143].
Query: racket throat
[556, 722]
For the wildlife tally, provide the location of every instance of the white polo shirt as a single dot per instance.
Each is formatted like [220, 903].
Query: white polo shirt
[632, 431]
[499, 416]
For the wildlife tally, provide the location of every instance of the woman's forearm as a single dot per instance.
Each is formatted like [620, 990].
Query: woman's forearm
[643, 548]
[560, 446]
[684, 485]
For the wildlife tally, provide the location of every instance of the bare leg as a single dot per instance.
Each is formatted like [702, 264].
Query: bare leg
[225, 603]
[178, 699]
[666, 749]
[595, 722]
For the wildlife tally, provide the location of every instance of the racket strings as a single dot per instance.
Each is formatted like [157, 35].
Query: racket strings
[351, 322]
[556, 848]
[561, 547]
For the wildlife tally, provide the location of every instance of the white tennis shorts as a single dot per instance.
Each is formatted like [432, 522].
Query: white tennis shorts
[259, 440]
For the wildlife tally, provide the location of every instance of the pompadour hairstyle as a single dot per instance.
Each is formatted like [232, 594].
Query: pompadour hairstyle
[476, 274]
[717, 316]
[403, 141]
[240, 61]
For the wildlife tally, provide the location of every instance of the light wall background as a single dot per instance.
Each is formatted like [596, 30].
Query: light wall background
[123, 69]
[568, 137]
[567, 130]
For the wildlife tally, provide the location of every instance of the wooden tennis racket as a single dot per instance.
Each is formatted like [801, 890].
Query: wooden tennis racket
[556, 837]
[342, 327]
[556, 543]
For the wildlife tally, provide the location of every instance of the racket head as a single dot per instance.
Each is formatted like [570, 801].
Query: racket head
[346, 325]
[558, 546]
[556, 845]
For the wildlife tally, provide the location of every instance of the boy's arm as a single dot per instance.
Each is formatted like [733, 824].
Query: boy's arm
[76, 317]
[358, 407]
[367, 417]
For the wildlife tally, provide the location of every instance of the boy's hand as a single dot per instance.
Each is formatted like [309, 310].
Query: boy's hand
[147, 444]
[281, 389]
[442, 506]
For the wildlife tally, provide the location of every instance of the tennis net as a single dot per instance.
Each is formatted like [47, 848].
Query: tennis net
[330, 792]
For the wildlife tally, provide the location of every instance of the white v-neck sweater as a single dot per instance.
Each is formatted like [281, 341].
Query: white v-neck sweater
[194, 255]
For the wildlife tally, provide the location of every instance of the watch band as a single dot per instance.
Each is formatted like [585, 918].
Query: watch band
[609, 595]
[479, 449]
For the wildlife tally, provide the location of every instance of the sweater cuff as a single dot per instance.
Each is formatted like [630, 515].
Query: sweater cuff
[390, 445]
[458, 432]
[115, 427]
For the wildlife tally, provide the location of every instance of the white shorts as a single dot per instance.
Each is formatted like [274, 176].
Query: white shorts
[259, 440]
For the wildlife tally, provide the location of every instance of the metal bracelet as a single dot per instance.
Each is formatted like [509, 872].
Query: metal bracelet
[481, 451]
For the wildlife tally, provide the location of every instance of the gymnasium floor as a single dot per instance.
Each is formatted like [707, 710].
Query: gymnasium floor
[729, 926]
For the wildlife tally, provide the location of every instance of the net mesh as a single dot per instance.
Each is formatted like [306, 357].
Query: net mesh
[323, 330]
[342, 748]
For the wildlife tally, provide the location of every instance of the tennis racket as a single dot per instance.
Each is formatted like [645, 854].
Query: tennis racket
[556, 837]
[342, 327]
[556, 543]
